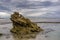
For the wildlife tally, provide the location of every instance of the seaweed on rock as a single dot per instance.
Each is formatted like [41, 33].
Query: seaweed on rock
[22, 25]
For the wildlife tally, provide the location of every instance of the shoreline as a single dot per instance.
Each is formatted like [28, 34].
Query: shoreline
[2, 23]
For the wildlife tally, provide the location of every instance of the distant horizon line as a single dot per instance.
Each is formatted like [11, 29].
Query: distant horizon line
[34, 22]
[35, 17]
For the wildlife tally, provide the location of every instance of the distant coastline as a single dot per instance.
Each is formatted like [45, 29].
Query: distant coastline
[47, 22]
[36, 20]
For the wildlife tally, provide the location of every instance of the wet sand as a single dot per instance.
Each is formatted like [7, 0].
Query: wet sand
[51, 32]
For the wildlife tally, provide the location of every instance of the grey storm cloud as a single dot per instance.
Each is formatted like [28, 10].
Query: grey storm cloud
[47, 7]
[4, 8]
[24, 4]
[5, 0]
[35, 4]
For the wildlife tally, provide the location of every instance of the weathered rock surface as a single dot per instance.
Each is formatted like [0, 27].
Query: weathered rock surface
[22, 25]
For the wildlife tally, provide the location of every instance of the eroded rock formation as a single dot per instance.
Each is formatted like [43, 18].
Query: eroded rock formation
[22, 25]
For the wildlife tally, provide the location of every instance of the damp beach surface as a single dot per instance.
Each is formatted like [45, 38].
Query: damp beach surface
[51, 31]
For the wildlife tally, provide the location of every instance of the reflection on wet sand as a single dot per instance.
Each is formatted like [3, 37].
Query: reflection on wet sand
[32, 36]
[24, 37]
[51, 32]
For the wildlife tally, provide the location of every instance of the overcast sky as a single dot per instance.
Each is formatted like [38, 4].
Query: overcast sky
[31, 8]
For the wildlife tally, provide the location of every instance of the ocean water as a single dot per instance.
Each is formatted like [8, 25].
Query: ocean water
[51, 32]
